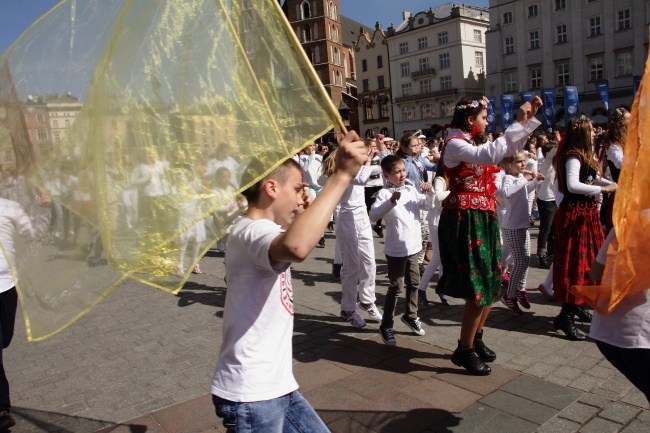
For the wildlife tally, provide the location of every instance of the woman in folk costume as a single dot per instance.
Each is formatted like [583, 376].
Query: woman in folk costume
[578, 233]
[468, 229]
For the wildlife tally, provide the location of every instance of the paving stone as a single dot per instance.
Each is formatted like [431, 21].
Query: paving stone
[519, 407]
[198, 413]
[636, 398]
[312, 375]
[578, 412]
[347, 424]
[619, 412]
[644, 416]
[559, 425]
[540, 369]
[594, 400]
[483, 385]
[600, 425]
[586, 383]
[636, 427]
[479, 418]
[442, 395]
[376, 384]
[541, 391]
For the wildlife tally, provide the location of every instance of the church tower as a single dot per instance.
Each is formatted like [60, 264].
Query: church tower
[317, 23]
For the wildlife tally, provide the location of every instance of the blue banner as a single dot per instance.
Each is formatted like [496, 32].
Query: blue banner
[491, 115]
[603, 90]
[571, 107]
[526, 96]
[636, 81]
[548, 112]
[507, 111]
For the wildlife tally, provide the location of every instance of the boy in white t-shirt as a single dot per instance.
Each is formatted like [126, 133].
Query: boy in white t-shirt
[253, 385]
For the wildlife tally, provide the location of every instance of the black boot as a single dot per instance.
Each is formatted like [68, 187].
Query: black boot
[468, 359]
[564, 323]
[583, 314]
[485, 353]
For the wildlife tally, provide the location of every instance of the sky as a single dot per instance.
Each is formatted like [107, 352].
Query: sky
[17, 15]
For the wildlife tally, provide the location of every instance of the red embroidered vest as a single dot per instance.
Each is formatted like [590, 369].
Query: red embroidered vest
[471, 186]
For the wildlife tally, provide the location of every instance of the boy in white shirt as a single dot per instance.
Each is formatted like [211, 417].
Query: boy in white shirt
[399, 204]
[253, 385]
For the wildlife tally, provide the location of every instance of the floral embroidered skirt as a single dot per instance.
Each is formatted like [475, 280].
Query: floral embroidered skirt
[578, 237]
[470, 249]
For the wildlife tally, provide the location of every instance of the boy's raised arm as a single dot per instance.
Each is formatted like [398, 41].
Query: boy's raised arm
[303, 234]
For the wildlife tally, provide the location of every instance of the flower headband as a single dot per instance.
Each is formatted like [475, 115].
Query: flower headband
[474, 104]
[580, 119]
[618, 113]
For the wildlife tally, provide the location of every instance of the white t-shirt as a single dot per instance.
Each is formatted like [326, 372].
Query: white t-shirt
[402, 219]
[255, 362]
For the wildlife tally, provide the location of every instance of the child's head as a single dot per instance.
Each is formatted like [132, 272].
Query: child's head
[618, 130]
[409, 144]
[222, 177]
[580, 135]
[514, 165]
[394, 169]
[470, 115]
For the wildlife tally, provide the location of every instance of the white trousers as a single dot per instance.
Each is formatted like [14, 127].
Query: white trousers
[354, 238]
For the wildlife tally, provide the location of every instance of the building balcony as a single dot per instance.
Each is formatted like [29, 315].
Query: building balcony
[424, 73]
[428, 95]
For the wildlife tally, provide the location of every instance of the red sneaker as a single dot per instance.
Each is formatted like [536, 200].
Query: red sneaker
[523, 299]
[511, 303]
[505, 280]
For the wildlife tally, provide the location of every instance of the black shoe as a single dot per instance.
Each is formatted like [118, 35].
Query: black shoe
[583, 314]
[378, 229]
[543, 261]
[564, 322]
[336, 270]
[485, 353]
[422, 298]
[414, 324]
[6, 421]
[469, 360]
[330, 226]
[321, 242]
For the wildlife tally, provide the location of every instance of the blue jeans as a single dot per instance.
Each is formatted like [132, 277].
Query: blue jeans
[290, 413]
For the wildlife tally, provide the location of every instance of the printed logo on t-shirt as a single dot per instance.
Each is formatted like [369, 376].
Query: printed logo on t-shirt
[286, 291]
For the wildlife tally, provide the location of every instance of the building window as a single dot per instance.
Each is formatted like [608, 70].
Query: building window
[406, 89]
[536, 77]
[445, 82]
[57, 137]
[380, 62]
[406, 69]
[624, 19]
[510, 78]
[443, 38]
[368, 110]
[380, 82]
[40, 117]
[366, 85]
[478, 36]
[305, 10]
[307, 33]
[428, 111]
[424, 64]
[403, 47]
[533, 11]
[563, 75]
[509, 44]
[560, 5]
[422, 43]
[596, 71]
[560, 33]
[364, 65]
[507, 18]
[383, 109]
[42, 134]
[408, 112]
[478, 59]
[447, 108]
[534, 39]
[444, 60]
[425, 86]
[624, 64]
[594, 26]
[55, 123]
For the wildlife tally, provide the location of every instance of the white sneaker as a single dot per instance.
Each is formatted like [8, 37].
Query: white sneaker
[355, 320]
[372, 311]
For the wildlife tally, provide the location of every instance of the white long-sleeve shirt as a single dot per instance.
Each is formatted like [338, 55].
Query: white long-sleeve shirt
[615, 154]
[402, 219]
[490, 153]
[353, 201]
[515, 192]
[573, 183]
[545, 187]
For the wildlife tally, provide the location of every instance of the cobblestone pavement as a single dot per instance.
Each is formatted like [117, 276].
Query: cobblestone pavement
[142, 361]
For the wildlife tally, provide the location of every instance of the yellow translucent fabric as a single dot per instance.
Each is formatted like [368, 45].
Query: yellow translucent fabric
[627, 271]
[149, 112]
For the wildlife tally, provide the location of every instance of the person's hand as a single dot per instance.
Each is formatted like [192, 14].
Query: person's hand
[609, 188]
[529, 109]
[396, 195]
[426, 187]
[540, 176]
[306, 196]
[351, 154]
[44, 200]
[380, 137]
